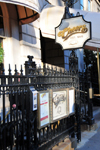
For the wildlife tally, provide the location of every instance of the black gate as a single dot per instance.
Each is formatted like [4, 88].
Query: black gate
[86, 101]
[18, 123]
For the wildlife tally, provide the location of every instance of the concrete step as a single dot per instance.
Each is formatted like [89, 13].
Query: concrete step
[67, 144]
[96, 125]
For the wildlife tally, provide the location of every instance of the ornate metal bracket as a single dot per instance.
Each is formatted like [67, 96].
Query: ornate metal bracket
[73, 62]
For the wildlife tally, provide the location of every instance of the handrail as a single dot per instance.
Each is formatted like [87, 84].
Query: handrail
[96, 94]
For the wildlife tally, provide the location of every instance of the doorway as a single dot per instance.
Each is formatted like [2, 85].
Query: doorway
[51, 52]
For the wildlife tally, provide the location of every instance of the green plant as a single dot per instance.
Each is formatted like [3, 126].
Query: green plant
[1, 54]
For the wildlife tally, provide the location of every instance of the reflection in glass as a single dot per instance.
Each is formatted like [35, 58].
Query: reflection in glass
[1, 23]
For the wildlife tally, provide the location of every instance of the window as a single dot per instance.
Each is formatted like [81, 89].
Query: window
[1, 34]
[81, 4]
[1, 23]
[89, 6]
[1, 64]
[66, 61]
[98, 9]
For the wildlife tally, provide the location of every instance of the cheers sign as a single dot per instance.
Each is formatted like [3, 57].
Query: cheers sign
[73, 33]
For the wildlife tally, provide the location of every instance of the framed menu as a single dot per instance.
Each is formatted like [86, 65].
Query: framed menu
[58, 104]
[43, 109]
[71, 100]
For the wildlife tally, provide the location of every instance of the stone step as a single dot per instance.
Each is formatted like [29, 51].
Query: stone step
[66, 145]
[96, 125]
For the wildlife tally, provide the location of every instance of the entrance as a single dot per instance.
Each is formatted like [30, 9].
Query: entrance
[51, 52]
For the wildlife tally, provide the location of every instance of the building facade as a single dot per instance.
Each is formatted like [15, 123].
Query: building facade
[19, 31]
[86, 5]
[22, 35]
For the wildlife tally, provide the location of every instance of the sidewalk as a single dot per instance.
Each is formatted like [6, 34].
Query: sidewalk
[93, 143]
[90, 139]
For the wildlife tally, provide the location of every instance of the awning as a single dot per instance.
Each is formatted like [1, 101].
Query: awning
[50, 18]
[26, 15]
[56, 2]
[94, 18]
[28, 10]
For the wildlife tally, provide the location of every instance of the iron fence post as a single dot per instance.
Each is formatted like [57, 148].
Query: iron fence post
[90, 105]
[29, 65]
[73, 67]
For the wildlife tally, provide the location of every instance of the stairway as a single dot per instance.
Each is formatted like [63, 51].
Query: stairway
[67, 144]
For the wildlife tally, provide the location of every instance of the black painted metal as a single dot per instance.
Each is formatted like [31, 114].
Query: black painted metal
[73, 68]
[18, 128]
[86, 103]
[18, 125]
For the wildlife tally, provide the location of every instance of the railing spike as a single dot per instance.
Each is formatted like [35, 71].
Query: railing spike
[9, 70]
[21, 71]
[52, 70]
[15, 70]
[3, 70]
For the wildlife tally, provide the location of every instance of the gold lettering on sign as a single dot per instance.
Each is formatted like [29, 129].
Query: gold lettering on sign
[67, 32]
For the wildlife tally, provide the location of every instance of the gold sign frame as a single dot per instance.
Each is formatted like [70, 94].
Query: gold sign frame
[73, 33]
[56, 104]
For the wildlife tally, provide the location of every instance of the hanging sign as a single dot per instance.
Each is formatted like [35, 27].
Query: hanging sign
[73, 33]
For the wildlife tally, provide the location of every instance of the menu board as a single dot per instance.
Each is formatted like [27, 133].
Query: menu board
[58, 104]
[71, 101]
[43, 109]
[34, 100]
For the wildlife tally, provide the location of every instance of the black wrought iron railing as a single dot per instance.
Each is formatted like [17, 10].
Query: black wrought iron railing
[18, 123]
[86, 103]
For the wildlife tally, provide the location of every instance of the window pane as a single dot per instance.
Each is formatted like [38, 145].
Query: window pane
[89, 7]
[1, 23]
[1, 11]
[1, 64]
[81, 3]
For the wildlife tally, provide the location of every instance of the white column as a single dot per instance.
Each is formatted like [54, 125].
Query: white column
[85, 3]
[92, 5]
